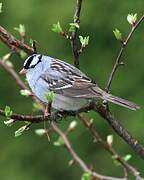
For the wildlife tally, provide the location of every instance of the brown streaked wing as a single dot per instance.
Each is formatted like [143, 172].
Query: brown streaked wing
[82, 89]
[64, 79]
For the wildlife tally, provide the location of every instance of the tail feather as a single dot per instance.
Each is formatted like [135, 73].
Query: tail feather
[120, 101]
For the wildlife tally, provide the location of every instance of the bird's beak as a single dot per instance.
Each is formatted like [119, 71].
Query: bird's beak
[23, 71]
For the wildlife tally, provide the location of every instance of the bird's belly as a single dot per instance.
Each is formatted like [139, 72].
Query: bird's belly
[39, 89]
[61, 102]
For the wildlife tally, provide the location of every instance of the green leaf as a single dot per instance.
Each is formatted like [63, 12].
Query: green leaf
[25, 92]
[73, 26]
[84, 40]
[6, 56]
[31, 42]
[110, 139]
[117, 34]
[86, 176]
[59, 141]
[91, 121]
[57, 28]
[28, 123]
[72, 125]
[132, 18]
[115, 161]
[127, 157]
[20, 131]
[21, 29]
[70, 163]
[40, 132]
[0, 7]
[23, 54]
[8, 112]
[9, 64]
[9, 122]
[50, 96]
[36, 107]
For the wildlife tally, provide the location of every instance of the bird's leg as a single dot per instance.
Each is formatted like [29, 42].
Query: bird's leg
[49, 107]
[46, 114]
[47, 111]
[47, 134]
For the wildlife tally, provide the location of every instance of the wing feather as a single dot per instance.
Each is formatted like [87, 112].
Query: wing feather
[69, 81]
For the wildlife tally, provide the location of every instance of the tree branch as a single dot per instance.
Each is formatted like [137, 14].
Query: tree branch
[74, 34]
[13, 43]
[120, 130]
[54, 116]
[118, 59]
[78, 160]
[13, 74]
[107, 147]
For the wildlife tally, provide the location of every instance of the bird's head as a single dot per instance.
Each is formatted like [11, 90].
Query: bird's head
[30, 63]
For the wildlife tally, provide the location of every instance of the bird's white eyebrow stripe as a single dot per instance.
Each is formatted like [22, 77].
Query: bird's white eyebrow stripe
[32, 61]
[28, 62]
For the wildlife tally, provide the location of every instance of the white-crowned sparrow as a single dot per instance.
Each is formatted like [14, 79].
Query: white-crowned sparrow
[73, 89]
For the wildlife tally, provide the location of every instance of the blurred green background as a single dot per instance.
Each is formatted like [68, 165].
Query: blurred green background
[31, 157]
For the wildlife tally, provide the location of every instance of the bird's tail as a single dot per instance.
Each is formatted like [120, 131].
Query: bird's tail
[119, 101]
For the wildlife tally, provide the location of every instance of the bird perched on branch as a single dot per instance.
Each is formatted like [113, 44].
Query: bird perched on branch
[72, 88]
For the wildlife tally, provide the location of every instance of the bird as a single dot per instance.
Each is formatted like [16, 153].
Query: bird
[72, 89]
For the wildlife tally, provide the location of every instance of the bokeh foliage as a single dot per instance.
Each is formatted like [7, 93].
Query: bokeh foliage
[31, 157]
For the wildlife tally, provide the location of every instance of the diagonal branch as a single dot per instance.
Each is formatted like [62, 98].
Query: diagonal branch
[78, 160]
[107, 147]
[13, 74]
[120, 130]
[13, 43]
[118, 59]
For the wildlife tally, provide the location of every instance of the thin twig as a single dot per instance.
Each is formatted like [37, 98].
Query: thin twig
[13, 74]
[80, 161]
[16, 77]
[120, 130]
[118, 59]
[106, 146]
[54, 116]
[34, 47]
[13, 43]
[74, 34]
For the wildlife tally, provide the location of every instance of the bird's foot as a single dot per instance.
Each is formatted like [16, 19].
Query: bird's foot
[46, 113]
